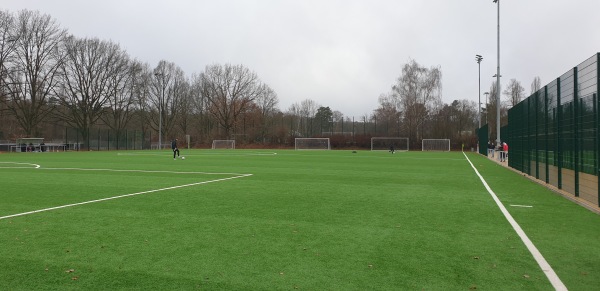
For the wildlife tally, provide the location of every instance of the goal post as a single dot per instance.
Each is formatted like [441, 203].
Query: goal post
[223, 144]
[316, 143]
[384, 143]
[439, 145]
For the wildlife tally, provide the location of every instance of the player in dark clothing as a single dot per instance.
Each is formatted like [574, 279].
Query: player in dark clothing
[174, 148]
[392, 149]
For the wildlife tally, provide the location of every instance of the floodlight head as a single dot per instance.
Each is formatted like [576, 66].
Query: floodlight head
[478, 58]
[495, 1]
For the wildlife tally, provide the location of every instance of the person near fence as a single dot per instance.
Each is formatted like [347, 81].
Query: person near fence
[504, 152]
[491, 148]
[174, 148]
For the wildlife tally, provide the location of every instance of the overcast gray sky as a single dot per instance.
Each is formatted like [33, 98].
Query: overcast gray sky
[344, 53]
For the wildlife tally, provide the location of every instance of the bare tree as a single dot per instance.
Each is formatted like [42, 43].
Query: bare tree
[514, 91]
[536, 85]
[266, 102]
[88, 80]
[418, 91]
[185, 110]
[200, 106]
[169, 87]
[7, 47]
[465, 116]
[34, 70]
[307, 110]
[492, 110]
[8, 40]
[229, 90]
[142, 93]
[388, 115]
[121, 95]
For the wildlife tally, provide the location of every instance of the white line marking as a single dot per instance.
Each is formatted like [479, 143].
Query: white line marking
[125, 195]
[141, 171]
[201, 154]
[517, 205]
[554, 279]
[30, 166]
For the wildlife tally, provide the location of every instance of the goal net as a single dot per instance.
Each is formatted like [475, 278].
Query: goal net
[223, 144]
[440, 145]
[303, 143]
[385, 143]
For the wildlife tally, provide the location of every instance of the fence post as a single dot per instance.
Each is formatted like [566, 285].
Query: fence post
[547, 159]
[558, 135]
[526, 138]
[537, 136]
[597, 122]
[576, 128]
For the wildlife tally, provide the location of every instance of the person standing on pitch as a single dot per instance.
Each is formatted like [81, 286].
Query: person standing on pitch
[174, 148]
[392, 148]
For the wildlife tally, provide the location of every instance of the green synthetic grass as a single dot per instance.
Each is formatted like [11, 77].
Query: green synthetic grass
[307, 220]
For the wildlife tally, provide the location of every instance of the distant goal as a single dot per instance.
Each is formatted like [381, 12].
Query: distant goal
[303, 143]
[223, 144]
[436, 145]
[384, 143]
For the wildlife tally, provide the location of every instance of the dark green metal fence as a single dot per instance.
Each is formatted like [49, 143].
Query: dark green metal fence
[483, 137]
[553, 134]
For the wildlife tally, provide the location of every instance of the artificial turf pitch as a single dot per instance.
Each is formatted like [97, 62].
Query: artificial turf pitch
[283, 220]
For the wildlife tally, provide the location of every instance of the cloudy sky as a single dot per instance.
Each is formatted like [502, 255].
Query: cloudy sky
[344, 53]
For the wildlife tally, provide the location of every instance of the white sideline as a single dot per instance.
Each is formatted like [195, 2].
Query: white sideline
[125, 195]
[546, 268]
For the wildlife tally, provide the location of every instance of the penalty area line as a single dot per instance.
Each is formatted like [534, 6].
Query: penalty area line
[539, 258]
[121, 196]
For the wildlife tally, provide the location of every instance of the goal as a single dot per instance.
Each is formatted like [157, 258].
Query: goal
[223, 144]
[317, 143]
[384, 143]
[440, 145]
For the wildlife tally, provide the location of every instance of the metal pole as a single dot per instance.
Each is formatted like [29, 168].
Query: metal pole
[160, 105]
[160, 101]
[498, 82]
[479, 58]
[486, 107]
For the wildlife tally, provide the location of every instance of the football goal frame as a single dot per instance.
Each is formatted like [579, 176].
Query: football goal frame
[223, 144]
[312, 143]
[400, 144]
[435, 145]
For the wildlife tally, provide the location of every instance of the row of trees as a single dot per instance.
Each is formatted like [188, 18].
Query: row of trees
[50, 80]
[49, 76]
